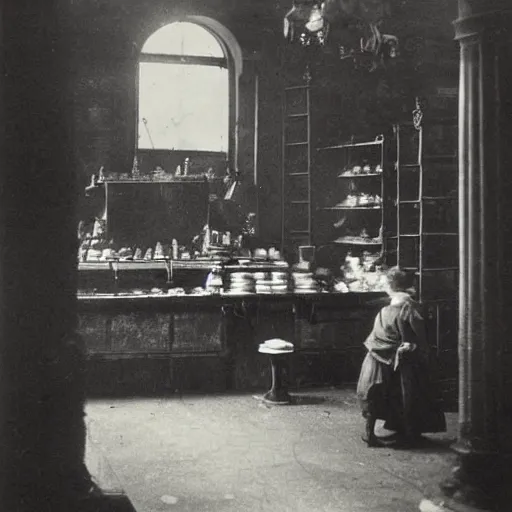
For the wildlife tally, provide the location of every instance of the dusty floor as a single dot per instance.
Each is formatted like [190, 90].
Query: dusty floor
[235, 454]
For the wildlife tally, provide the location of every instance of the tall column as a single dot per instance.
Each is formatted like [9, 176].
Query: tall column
[42, 433]
[484, 30]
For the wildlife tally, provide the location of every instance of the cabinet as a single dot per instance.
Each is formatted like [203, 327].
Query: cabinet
[354, 207]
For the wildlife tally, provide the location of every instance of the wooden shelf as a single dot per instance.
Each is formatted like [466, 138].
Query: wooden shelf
[362, 175]
[353, 208]
[147, 179]
[428, 198]
[377, 142]
[126, 265]
[441, 269]
[295, 87]
[296, 144]
[355, 145]
[417, 235]
[352, 240]
[434, 269]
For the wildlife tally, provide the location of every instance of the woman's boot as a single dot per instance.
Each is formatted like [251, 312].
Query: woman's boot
[369, 436]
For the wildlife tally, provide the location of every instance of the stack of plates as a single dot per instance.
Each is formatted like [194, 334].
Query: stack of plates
[263, 282]
[304, 282]
[279, 282]
[240, 283]
[271, 282]
[94, 255]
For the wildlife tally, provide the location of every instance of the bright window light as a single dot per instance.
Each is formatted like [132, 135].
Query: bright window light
[183, 106]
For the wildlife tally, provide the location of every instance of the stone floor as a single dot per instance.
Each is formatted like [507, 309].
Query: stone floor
[230, 453]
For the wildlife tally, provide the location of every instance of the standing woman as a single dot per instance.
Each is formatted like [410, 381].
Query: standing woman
[394, 381]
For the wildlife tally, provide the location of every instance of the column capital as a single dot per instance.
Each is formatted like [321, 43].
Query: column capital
[473, 24]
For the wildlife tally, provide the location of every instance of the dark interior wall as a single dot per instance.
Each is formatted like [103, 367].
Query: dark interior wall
[270, 128]
[109, 34]
[42, 430]
[350, 101]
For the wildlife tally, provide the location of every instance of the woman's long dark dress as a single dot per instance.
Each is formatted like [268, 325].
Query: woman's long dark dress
[395, 387]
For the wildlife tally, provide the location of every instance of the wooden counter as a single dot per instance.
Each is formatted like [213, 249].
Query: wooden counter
[150, 343]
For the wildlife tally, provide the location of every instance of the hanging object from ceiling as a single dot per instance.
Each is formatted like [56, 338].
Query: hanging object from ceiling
[304, 22]
[314, 22]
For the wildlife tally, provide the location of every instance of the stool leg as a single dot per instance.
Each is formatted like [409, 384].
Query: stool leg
[279, 391]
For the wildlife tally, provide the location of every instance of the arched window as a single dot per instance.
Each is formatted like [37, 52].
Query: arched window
[184, 90]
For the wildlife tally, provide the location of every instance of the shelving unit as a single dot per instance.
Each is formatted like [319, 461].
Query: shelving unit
[426, 208]
[425, 234]
[354, 186]
[296, 166]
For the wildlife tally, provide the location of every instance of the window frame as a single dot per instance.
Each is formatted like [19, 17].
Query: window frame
[226, 62]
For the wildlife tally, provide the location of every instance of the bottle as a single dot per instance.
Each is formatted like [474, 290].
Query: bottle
[135, 167]
[159, 252]
[206, 239]
[186, 166]
[175, 247]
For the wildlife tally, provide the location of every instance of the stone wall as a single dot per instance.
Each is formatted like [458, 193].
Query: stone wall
[109, 35]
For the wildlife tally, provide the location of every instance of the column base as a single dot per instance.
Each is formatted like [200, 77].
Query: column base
[444, 505]
[478, 481]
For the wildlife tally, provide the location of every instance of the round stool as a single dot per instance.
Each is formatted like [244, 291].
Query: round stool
[278, 393]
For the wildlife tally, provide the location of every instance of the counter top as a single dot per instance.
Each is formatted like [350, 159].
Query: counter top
[205, 264]
[163, 301]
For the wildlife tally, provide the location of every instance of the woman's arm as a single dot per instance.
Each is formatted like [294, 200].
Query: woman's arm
[413, 330]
